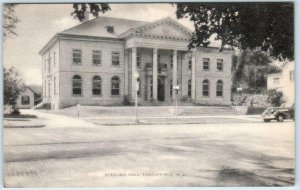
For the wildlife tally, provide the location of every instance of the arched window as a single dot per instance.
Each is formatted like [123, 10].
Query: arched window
[77, 85]
[97, 86]
[115, 86]
[219, 88]
[171, 88]
[25, 100]
[205, 88]
[189, 88]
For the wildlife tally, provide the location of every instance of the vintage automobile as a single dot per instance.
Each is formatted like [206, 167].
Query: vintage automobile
[279, 113]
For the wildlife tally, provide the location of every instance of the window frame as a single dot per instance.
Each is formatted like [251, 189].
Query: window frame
[80, 81]
[99, 53]
[276, 81]
[220, 61]
[96, 80]
[219, 83]
[138, 60]
[206, 60]
[23, 100]
[49, 64]
[206, 82]
[190, 88]
[54, 85]
[79, 57]
[113, 58]
[115, 78]
[54, 62]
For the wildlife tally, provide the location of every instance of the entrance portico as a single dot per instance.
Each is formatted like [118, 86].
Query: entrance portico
[160, 72]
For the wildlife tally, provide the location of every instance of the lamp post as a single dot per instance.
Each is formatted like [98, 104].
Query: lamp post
[136, 76]
[78, 109]
[176, 88]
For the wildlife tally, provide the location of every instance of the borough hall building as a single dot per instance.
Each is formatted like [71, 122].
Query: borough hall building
[94, 63]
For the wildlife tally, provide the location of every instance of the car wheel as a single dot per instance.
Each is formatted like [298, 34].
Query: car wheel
[280, 118]
[267, 120]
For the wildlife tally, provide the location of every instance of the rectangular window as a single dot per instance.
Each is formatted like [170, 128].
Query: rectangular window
[77, 56]
[54, 59]
[115, 89]
[158, 59]
[97, 88]
[115, 57]
[77, 87]
[54, 83]
[205, 64]
[292, 75]
[190, 63]
[219, 64]
[25, 100]
[276, 80]
[138, 60]
[49, 65]
[96, 57]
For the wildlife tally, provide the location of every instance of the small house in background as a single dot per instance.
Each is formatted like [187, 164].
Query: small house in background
[284, 81]
[30, 97]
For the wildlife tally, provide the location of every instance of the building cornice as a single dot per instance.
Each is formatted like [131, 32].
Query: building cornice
[61, 36]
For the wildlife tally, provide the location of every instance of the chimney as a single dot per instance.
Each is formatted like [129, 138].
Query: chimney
[110, 29]
[87, 16]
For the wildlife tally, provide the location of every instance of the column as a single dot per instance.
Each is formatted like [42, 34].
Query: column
[126, 57]
[174, 79]
[154, 74]
[133, 71]
[193, 75]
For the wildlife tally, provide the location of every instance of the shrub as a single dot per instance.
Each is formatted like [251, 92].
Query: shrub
[275, 97]
[127, 100]
[185, 98]
[15, 112]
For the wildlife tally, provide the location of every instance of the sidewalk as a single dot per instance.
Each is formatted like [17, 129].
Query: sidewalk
[54, 119]
[172, 120]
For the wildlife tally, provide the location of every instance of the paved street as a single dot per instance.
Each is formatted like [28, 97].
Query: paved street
[71, 152]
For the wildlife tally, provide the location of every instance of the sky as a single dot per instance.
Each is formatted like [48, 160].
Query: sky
[40, 22]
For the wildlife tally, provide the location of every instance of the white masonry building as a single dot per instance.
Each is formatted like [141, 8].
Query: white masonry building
[93, 64]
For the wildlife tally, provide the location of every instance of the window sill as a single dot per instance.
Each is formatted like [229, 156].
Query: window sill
[75, 95]
[76, 64]
[115, 96]
[95, 65]
[97, 96]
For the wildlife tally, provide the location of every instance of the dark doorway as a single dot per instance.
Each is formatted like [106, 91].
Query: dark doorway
[160, 90]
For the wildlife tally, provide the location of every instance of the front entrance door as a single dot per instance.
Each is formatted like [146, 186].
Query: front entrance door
[160, 90]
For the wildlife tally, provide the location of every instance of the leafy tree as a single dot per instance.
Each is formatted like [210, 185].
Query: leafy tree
[94, 8]
[269, 25]
[10, 20]
[13, 85]
[251, 69]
